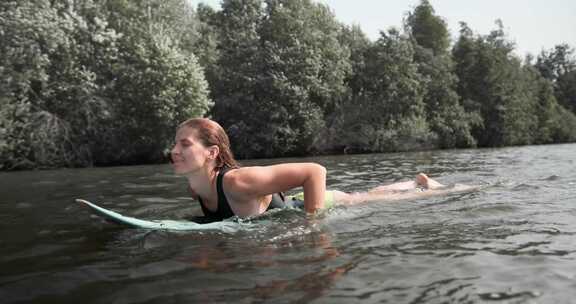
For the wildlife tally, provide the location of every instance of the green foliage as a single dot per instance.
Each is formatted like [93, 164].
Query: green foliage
[555, 75]
[539, 91]
[516, 103]
[46, 86]
[557, 62]
[304, 66]
[156, 84]
[236, 73]
[564, 125]
[566, 90]
[427, 29]
[205, 45]
[358, 44]
[446, 116]
[89, 82]
[386, 108]
[280, 71]
[559, 66]
[156, 88]
[491, 83]
[84, 82]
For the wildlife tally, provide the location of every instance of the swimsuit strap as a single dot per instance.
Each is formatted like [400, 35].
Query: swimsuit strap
[224, 209]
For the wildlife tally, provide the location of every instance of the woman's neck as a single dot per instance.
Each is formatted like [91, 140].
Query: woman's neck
[202, 182]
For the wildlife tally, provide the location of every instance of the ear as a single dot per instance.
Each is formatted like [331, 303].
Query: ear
[213, 152]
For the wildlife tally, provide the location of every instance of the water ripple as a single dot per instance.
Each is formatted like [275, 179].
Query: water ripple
[511, 242]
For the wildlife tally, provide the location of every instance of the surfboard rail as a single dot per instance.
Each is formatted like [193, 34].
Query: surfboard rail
[174, 225]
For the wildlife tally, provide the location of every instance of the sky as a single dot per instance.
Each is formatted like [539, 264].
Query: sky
[534, 25]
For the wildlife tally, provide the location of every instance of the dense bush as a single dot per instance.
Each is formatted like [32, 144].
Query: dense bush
[88, 82]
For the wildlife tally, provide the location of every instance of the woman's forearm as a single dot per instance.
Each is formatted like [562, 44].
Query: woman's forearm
[314, 188]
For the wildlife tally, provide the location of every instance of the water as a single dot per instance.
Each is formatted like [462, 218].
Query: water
[512, 242]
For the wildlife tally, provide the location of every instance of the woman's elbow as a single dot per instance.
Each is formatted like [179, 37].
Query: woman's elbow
[319, 170]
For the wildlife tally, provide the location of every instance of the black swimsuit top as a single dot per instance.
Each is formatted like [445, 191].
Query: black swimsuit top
[224, 211]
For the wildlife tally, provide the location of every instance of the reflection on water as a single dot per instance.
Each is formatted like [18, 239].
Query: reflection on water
[512, 242]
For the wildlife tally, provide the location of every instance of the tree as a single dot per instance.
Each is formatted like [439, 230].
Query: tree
[236, 72]
[50, 90]
[156, 84]
[280, 70]
[447, 117]
[445, 114]
[386, 109]
[492, 84]
[427, 29]
[555, 123]
[205, 45]
[86, 82]
[557, 62]
[559, 66]
[566, 90]
[304, 66]
[358, 44]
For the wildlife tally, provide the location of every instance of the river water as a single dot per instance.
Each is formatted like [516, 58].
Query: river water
[514, 241]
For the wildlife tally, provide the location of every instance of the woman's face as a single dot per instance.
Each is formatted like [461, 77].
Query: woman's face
[189, 154]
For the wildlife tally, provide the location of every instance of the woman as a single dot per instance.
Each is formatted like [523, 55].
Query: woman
[202, 153]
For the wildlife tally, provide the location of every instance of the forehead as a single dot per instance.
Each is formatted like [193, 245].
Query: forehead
[186, 133]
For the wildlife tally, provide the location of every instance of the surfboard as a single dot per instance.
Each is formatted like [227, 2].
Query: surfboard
[175, 225]
[231, 226]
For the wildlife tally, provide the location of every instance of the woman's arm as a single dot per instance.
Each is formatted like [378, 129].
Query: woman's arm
[252, 182]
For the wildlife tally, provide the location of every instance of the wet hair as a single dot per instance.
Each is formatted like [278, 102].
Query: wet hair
[210, 133]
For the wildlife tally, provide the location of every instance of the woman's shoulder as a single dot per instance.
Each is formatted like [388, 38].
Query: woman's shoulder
[242, 175]
[253, 181]
[239, 181]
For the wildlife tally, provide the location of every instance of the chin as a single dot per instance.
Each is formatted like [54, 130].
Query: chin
[185, 171]
[178, 170]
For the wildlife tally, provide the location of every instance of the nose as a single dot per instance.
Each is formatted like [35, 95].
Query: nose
[173, 152]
